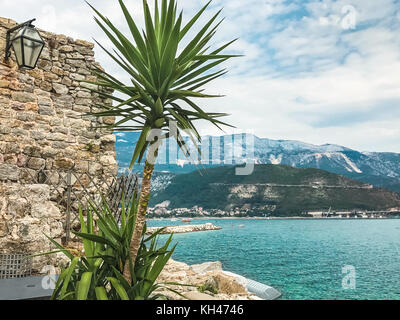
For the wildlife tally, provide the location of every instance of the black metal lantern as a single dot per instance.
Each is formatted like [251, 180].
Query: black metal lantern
[27, 44]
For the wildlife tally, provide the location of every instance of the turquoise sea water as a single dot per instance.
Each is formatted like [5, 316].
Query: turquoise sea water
[302, 258]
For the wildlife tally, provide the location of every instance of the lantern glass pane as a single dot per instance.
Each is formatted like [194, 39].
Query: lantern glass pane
[17, 46]
[17, 34]
[32, 33]
[32, 51]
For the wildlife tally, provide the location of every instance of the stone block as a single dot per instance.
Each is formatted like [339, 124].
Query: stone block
[57, 137]
[81, 108]
[59, 145]
[207, 267]
[66, 48]
[22, 160]
[109, 120]
[83, 101]
[46, 110]
[66, 81]
[4, 83]
[84, 43]
[9, 172]
[37, 135]
[18, 207]
[64, 164]
[89, 86]
[10, 159]
[110, 138]
[3, 229]
[44, 100]
[107, 160]
[44, 210]
[58, 71]
[36, 163]
[32, 151]
[49, 152]
[77, 76]
[46, 86]
[60, 88]
[23, 97]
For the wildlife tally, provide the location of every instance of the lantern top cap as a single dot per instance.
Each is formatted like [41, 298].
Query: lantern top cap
[28, 31]
[25, 24]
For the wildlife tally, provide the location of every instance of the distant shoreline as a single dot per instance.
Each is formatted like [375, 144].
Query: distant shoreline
[269, 218]
[186, 228]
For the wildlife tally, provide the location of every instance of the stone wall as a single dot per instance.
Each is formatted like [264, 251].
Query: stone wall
[42, 128]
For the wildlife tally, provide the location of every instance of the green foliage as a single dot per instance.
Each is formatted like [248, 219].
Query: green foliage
[98, 273]
[89, 147]
[166, 75]
[208, 287]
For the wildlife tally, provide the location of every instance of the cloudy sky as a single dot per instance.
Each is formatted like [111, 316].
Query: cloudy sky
[316, 71]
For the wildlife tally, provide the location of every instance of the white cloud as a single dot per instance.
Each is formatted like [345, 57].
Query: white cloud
[303, 77]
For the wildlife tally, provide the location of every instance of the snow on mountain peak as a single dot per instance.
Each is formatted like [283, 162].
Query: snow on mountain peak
[350, 163]
[275, 160]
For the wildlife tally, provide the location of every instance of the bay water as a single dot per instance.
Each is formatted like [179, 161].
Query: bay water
[303, 259]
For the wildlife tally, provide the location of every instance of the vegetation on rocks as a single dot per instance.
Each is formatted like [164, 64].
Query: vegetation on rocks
[206, 281]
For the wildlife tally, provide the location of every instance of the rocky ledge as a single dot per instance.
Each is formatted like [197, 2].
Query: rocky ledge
[184, 229]
[205, 281]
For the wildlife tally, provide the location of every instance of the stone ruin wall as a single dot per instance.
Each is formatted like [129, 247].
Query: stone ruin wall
[41, 127]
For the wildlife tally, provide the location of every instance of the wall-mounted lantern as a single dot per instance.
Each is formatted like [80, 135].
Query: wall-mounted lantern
[27, 44]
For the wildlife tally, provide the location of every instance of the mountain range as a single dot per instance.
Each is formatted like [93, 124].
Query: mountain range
[381, 169]
[275, 190]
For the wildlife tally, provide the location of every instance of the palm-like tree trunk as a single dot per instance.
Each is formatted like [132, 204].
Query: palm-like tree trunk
[179, 68]
[141, 216]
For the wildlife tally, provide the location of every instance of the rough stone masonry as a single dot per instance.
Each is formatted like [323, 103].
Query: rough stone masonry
[42, 128]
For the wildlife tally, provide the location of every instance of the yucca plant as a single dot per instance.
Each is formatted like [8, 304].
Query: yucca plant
[97, 273]
[166, 76]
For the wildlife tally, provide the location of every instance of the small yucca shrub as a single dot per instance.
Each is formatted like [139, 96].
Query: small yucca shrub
[97, 274]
